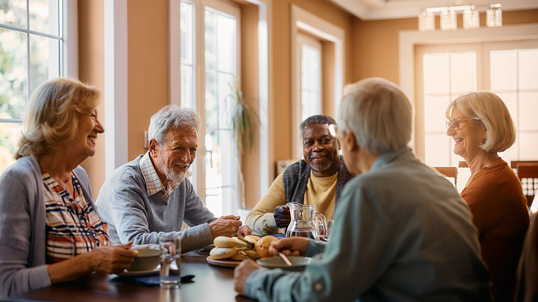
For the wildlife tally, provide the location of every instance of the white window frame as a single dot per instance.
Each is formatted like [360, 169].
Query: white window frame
[68, 50]
[301, 20]
[265, 82]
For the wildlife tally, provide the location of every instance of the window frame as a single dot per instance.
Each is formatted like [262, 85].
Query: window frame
[67, 38]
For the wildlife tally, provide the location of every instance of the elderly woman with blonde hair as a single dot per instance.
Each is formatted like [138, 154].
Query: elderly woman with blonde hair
[481, 126]
[401, 232]
[50, 230]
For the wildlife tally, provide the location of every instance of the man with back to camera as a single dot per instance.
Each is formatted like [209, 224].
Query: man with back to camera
[402, 233]
[317, 179]
[151, 195]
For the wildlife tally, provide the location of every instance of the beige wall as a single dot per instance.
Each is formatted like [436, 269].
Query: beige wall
[250, 87]
[91, 71]
[147, 66]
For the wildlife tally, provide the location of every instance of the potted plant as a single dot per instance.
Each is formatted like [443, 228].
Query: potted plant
[243, 119]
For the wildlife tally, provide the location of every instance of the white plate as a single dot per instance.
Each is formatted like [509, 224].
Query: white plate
[223, 262]
[140, 273]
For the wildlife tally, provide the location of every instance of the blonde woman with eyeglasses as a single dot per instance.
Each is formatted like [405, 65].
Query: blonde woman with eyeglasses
[481, 126]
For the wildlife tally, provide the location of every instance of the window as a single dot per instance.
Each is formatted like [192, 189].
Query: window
[188, 59]
[211, 28]
[220, 73]
[310, 76]
[514, 77]
[31, 52]
[317, 70]
[446, 76]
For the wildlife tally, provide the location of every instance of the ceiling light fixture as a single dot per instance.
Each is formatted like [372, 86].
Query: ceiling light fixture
[448, 16]
[494, 16]
[448, 19]
[426, 21]
[471, 18]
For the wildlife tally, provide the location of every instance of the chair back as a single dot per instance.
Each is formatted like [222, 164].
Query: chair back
[528, 175]
[450, 172]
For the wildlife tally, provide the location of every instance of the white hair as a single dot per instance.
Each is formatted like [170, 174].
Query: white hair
[171, 116]
[378, 113]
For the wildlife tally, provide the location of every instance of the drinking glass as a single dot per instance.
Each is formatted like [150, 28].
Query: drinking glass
[330, 226]
[170, 260]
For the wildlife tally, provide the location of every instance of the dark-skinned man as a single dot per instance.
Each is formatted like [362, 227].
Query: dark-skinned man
[317, 179]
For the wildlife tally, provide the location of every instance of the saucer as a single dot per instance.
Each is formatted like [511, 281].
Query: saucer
[140, 273]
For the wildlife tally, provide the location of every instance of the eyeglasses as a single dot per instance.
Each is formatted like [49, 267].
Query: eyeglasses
[455, 123]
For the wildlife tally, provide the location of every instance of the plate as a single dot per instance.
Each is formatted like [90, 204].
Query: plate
[223, 262]
[152, 272]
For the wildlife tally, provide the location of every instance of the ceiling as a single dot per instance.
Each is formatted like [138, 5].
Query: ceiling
[395, 9]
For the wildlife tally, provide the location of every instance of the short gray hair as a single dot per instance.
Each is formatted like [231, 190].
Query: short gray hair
[316, 119]
[378, 113]
[172, 116]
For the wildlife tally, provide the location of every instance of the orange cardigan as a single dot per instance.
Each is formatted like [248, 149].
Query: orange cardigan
[501, 215]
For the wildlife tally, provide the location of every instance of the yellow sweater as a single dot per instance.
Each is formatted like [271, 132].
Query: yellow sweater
[320, 191]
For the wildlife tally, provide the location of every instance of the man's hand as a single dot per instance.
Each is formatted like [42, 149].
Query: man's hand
[225, 226]
[293, 246]
[112, 259]
[241, 273]
[244, 231]
[282, 216]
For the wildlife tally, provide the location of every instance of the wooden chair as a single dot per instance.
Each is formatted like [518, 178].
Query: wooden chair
[514, 163]
[449, 172]
[463, 164]
[528, 175]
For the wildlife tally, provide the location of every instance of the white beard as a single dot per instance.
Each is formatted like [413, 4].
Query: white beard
[172, 175]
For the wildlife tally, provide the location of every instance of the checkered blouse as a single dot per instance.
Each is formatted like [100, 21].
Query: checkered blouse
[73, 225]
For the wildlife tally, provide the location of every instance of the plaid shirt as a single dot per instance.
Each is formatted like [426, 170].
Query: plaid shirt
[153, 183]
[73, 225]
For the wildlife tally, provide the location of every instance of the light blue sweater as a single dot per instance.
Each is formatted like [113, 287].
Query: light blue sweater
[23, 226]
[133, 215]
[401, 233]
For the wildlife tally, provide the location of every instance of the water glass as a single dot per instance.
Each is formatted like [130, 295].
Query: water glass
[170, 260]
[330, 227]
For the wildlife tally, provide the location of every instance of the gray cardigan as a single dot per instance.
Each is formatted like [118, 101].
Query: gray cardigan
[23, 226]
[133, 215]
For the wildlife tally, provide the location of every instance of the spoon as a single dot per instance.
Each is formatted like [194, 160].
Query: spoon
[285, 258]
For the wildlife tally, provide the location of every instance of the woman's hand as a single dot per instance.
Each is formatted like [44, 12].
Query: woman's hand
[293, 246]
[112, 259]
[107, 259]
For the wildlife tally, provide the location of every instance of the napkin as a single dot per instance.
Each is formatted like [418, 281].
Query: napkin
[148, 280]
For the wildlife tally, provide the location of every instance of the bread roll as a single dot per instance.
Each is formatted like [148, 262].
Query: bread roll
[262, 246]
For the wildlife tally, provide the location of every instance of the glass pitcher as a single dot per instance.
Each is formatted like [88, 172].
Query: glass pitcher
[306, 222]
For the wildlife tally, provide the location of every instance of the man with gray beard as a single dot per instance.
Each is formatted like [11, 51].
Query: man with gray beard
[150, 195]
[317, 179]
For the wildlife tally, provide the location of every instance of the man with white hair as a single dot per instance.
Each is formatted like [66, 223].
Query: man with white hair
[151, 195]
[401, 233]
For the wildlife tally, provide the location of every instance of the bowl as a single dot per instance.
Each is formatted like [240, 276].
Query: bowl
[298, 264]
[146, 260]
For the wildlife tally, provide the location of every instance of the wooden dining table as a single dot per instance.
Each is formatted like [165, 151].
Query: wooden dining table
[210, 283]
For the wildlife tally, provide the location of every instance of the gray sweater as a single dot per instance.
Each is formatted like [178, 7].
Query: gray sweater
[133, 215]
[23, 226]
